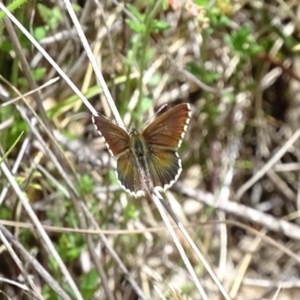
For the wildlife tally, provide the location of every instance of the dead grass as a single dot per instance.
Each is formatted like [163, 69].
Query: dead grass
[237, 64]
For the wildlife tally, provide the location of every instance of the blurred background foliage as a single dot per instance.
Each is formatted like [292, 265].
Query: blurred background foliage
[237, 64]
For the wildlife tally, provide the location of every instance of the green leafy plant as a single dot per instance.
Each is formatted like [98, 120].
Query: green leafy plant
[243, 43]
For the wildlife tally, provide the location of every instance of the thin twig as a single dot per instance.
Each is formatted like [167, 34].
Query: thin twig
[35, 264]
[48, 58]
[40, 229]
[241, 191]
[94, 64]
[159, 202]
[195, 249]
[247, 213]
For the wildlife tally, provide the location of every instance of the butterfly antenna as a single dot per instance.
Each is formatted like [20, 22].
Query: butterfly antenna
[152, 117]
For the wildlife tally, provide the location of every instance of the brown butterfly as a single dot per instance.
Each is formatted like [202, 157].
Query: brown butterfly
[149, 159]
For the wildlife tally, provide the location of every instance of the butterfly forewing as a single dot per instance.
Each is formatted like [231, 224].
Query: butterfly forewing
[169, 128]
[116, 138]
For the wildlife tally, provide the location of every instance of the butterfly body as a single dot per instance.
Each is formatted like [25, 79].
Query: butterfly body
[134, 162]
[148, 159]
[138, 144]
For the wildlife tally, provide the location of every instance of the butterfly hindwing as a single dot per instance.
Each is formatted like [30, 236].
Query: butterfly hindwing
[169, 128]
[116, 138]
[128, 173]
[164, 166]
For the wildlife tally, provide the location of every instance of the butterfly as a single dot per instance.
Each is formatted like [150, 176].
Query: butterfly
[147, 160]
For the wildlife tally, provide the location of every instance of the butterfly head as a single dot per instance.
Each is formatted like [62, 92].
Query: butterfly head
[134, 132]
